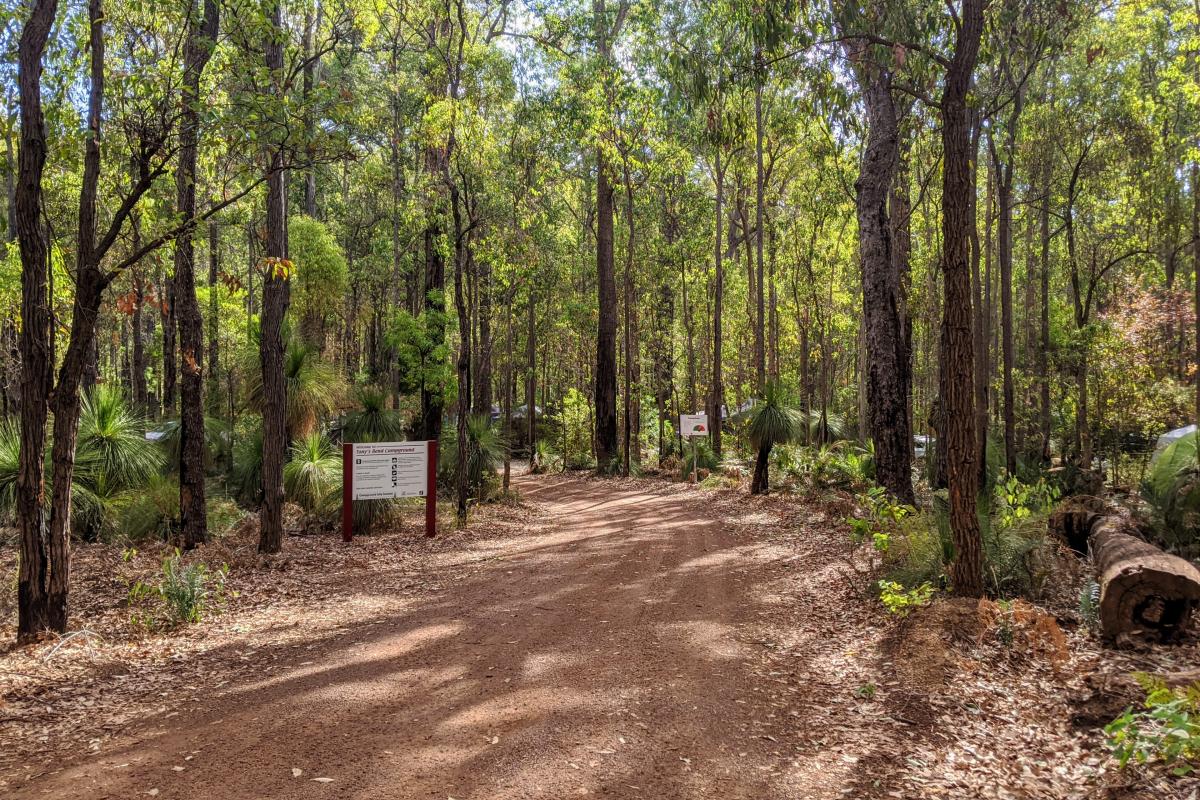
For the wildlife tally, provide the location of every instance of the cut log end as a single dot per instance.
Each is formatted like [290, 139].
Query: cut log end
[1142, 589]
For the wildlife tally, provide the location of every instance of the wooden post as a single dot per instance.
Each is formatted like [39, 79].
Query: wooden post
[431, 491]
[347, 491]
[694, 476]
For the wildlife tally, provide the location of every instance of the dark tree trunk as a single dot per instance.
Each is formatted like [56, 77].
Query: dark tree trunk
[762, 472]
[957, 357]
[1196, 268]
[214, 313]
[430, 423]
[42, 580]
[717, 398]
[760, 358]
[531, 380]
[631, 426]
[887, 357]
[167, 297]
[664, 325]
[1004, 159]
[1043, 356]
[607, 453]
[276, 295]
[138, 365]
[482, 380]
[310, 67]
[462, 476]
[979, 301]
[201, 40]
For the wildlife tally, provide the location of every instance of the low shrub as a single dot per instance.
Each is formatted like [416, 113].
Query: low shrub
[1166, 729]
[704, 460]
[187, 592]
[914, 548]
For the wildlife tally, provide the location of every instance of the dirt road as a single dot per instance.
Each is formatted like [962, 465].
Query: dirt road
[607, 652]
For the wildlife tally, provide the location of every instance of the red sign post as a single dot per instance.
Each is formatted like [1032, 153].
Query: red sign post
[388, 471]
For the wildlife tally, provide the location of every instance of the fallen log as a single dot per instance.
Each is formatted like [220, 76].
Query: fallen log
[1142, 589]
[1072, 521]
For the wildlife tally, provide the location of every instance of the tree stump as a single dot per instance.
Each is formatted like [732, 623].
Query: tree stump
[1142, 589]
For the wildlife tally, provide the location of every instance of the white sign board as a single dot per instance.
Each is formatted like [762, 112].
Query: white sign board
[385, 470]
[693, 425]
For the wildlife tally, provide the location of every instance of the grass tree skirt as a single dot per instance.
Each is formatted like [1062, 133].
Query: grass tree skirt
[1142, 589]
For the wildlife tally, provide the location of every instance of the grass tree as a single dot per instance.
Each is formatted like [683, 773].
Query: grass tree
[773, 422]
[312, 477]
[314, 388]
[372, 421]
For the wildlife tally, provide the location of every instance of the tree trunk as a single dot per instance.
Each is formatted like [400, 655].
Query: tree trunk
[167, 297]
[464, 361]
[1004, 185]
[717, 398]
[429, 426]
[138, 364]
[531, 380]
[980, 283]
[760, 359]
[1043, 357]
[201, 41]
[275, 297]
[214, 314]
[40, 603]
[630, 358]
[886, 365]
[310, 67]
[607, 454]
[957, 357]
[762, 472]
[1196, 268]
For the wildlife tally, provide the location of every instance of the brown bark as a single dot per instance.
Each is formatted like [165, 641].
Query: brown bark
[201, 40]
[276, 292]
[1142, 589]
[957, 357]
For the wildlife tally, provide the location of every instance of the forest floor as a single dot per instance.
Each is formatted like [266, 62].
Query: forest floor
[630, 639]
